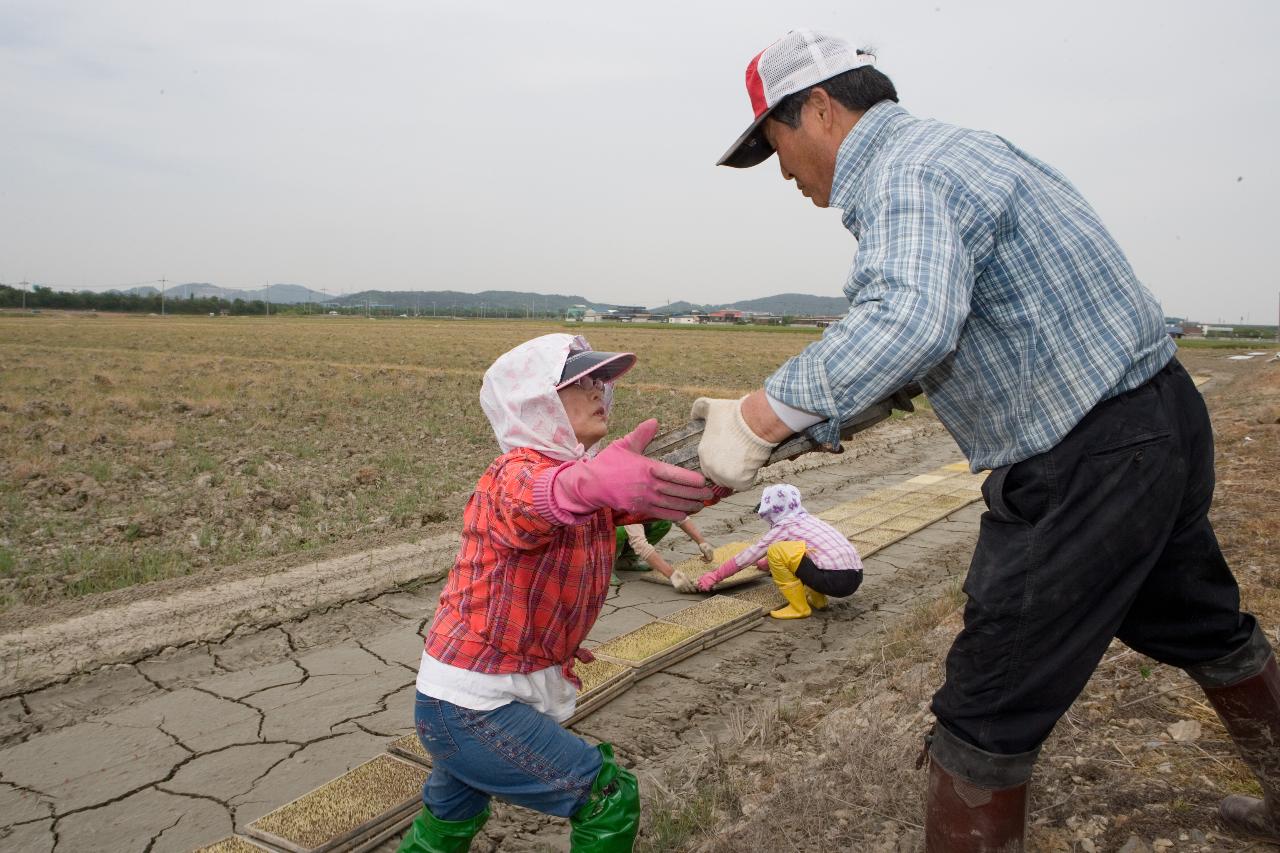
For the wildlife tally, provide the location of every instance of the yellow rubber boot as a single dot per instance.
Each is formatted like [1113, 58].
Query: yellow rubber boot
[784, 558]
[817, 600]
[797, 607]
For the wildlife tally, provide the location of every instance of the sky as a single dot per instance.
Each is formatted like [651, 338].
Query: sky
[565, 147]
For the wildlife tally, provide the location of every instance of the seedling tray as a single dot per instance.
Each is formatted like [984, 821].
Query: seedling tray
[712, 614]
[600, 675]
[345, 811]
[673, 657]
[765, 597]
[695, 568]
[649, 642]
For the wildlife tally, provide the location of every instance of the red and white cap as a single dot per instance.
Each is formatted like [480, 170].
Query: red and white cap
[794, 62]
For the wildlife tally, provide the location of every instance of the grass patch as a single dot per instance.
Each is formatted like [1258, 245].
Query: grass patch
[93, 570]
[100, 470]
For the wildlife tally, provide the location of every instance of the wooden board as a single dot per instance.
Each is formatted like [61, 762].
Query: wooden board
[410, 747]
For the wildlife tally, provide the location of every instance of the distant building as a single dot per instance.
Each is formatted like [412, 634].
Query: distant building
[591, 315]
[576, 312]
[1218, 331]
[1173, 330]
[724, 315]
[684, 319]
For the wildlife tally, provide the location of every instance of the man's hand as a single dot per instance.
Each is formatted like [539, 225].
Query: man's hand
[708, 551]
[729, 452]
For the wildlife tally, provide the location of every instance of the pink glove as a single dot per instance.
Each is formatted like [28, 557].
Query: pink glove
[763, 564]
[710, 579]
[622, 479]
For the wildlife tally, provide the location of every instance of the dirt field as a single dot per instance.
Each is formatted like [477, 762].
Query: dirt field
[806, 741]
[136, 449]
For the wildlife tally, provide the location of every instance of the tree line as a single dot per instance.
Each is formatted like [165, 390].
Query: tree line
[85, 300]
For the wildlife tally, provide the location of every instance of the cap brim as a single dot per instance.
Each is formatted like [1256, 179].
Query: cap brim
[605, 366]
[751, 148]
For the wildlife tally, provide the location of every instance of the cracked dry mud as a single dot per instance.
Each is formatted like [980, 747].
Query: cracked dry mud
[182, 748]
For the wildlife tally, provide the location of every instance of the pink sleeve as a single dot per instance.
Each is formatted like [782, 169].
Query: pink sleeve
[758, 550]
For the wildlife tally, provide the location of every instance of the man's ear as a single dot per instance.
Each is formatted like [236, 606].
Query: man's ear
[821, 104]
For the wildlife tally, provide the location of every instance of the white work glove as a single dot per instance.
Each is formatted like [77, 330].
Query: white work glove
[681, 582]
[708, 551]
[729, 452]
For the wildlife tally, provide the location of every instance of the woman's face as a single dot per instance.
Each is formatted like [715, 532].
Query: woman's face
[583, 402]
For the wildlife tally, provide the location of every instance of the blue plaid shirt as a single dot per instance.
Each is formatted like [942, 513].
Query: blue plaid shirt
[985, 275]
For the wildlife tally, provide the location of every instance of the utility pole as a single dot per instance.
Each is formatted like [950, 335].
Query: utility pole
[25, 283]
[163, 281]
[266, 297]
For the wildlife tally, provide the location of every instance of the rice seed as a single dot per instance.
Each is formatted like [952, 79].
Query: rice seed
[646, 641]
[596, 673]
[695, 568]
[712, 613]
[340, 805]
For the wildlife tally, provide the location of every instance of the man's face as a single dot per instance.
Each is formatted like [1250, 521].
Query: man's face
[804, 154]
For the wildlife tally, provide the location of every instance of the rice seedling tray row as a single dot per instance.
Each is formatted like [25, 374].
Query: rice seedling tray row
[711, 614]
[348, 812]
[651, 641]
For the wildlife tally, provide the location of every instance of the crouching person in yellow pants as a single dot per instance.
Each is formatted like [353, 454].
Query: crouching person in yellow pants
[808, 558]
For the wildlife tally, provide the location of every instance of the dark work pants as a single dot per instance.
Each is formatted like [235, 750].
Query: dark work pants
[837, 584]
[1106, 535]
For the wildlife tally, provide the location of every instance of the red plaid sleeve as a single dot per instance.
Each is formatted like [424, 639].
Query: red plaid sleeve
[524, 590]
[511, 494]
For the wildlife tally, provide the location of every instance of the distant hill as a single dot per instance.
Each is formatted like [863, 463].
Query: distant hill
[681, 307]
[795, 304]
[282, 294]
[510, 301]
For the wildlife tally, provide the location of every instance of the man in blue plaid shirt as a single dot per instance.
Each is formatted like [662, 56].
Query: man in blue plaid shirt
[983, 274]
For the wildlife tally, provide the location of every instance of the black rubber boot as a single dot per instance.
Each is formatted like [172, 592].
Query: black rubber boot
[1244, 688]
[977, 800]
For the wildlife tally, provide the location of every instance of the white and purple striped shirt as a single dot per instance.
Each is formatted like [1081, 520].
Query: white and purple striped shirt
[790, 522]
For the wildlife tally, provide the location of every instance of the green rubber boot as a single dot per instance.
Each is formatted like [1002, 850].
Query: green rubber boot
[429, 834]
[611, 817]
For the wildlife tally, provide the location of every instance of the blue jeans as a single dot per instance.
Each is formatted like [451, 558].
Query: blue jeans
[514, 753]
